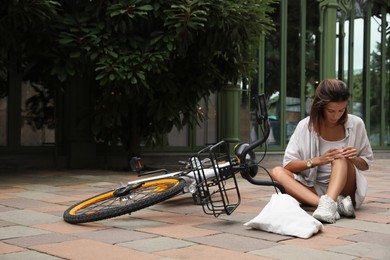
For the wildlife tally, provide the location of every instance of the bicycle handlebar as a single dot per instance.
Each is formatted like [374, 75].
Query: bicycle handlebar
[262, 120]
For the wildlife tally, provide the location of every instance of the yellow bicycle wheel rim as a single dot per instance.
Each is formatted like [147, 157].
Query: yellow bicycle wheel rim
[160, 186]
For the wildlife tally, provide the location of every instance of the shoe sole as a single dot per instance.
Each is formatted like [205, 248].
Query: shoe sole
[325, 219]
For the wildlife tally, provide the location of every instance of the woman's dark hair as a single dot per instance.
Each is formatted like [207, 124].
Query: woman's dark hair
[329, 90]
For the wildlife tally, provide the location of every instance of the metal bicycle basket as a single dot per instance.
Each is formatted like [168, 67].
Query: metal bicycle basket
[216, 184]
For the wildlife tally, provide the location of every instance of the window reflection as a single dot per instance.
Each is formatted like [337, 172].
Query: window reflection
[3, 116]
[206, 132]
[272, 78]
[387, 78]
[375, 75]
[357, 88]
[312, 54]
[3, 102]
[293, 108]
[178, 138]
[38, 115]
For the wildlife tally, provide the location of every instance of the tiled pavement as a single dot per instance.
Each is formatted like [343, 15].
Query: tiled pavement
[31, 225]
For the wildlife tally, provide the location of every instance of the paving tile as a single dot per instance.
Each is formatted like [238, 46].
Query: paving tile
[371, 217]
[6, 249]
[197, 252]
[5, 223]
[173, 218]
[114, 235]
[255, 194]
[367, 209]
[74, 188]
[65, 228]
[298, 253]
[10, 190]
[129, 223]
[6, 196]
[156, 244]
[89, 249]
[174, 207]
[233, 242]
[19, 231]
[39, 187]
[239, 229]
[376, 204]
[317, 241]
[28, 217]
[370, 237]
[249, 209]
[178, 231]
[41, 196]
[338, 232]
[29, 254]
[379, 195]
[364, 225]
[239, 217]
[362, 249]
[23, 203]
[51, 209]
[386, 213]
[38, 239]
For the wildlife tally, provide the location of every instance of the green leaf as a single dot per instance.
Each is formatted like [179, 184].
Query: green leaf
[112, 77]
[75, 55]
[145, 8]
[112, 53]
[134, 80]
[65, 41]
[141, 75]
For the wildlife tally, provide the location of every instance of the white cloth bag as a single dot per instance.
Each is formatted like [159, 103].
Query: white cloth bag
[283, 215]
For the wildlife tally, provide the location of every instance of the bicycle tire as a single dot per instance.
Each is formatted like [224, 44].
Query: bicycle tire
[107, 205]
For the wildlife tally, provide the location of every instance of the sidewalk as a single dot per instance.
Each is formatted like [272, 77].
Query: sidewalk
[31, 225]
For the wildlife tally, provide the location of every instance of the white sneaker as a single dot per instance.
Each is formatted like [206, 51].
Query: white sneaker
[326, 210]
[345, 206]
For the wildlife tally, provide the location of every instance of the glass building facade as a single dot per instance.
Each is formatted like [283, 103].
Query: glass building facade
[314, 40]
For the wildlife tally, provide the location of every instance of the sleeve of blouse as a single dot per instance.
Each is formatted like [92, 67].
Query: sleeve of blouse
[364, 148]
[293, 149]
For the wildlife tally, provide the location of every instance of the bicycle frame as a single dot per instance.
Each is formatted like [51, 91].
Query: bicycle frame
[215, 187]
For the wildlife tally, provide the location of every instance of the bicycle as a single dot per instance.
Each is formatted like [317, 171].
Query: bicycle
[209, 175]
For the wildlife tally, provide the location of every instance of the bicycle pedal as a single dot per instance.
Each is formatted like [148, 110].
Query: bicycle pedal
[200, 199]
[136, 164]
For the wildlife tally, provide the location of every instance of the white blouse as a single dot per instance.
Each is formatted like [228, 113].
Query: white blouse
[304, 144]
[323, 171]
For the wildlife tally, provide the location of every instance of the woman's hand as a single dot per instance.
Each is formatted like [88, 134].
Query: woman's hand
[349, 152]
[330, 155]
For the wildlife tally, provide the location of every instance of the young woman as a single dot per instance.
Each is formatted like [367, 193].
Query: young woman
[325, 156]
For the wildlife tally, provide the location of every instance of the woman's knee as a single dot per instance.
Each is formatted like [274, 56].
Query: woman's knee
[345, 165]
[277, 172]
[340, 162]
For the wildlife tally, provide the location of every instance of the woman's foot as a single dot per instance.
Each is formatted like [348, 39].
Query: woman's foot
[326, 210]
[345, 206]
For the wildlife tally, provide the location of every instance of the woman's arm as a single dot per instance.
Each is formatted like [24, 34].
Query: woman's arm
[351, 154]
[328, 157]
[297, 166]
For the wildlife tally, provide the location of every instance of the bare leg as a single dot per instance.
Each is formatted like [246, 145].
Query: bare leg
[342, 179]
[300, 192]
